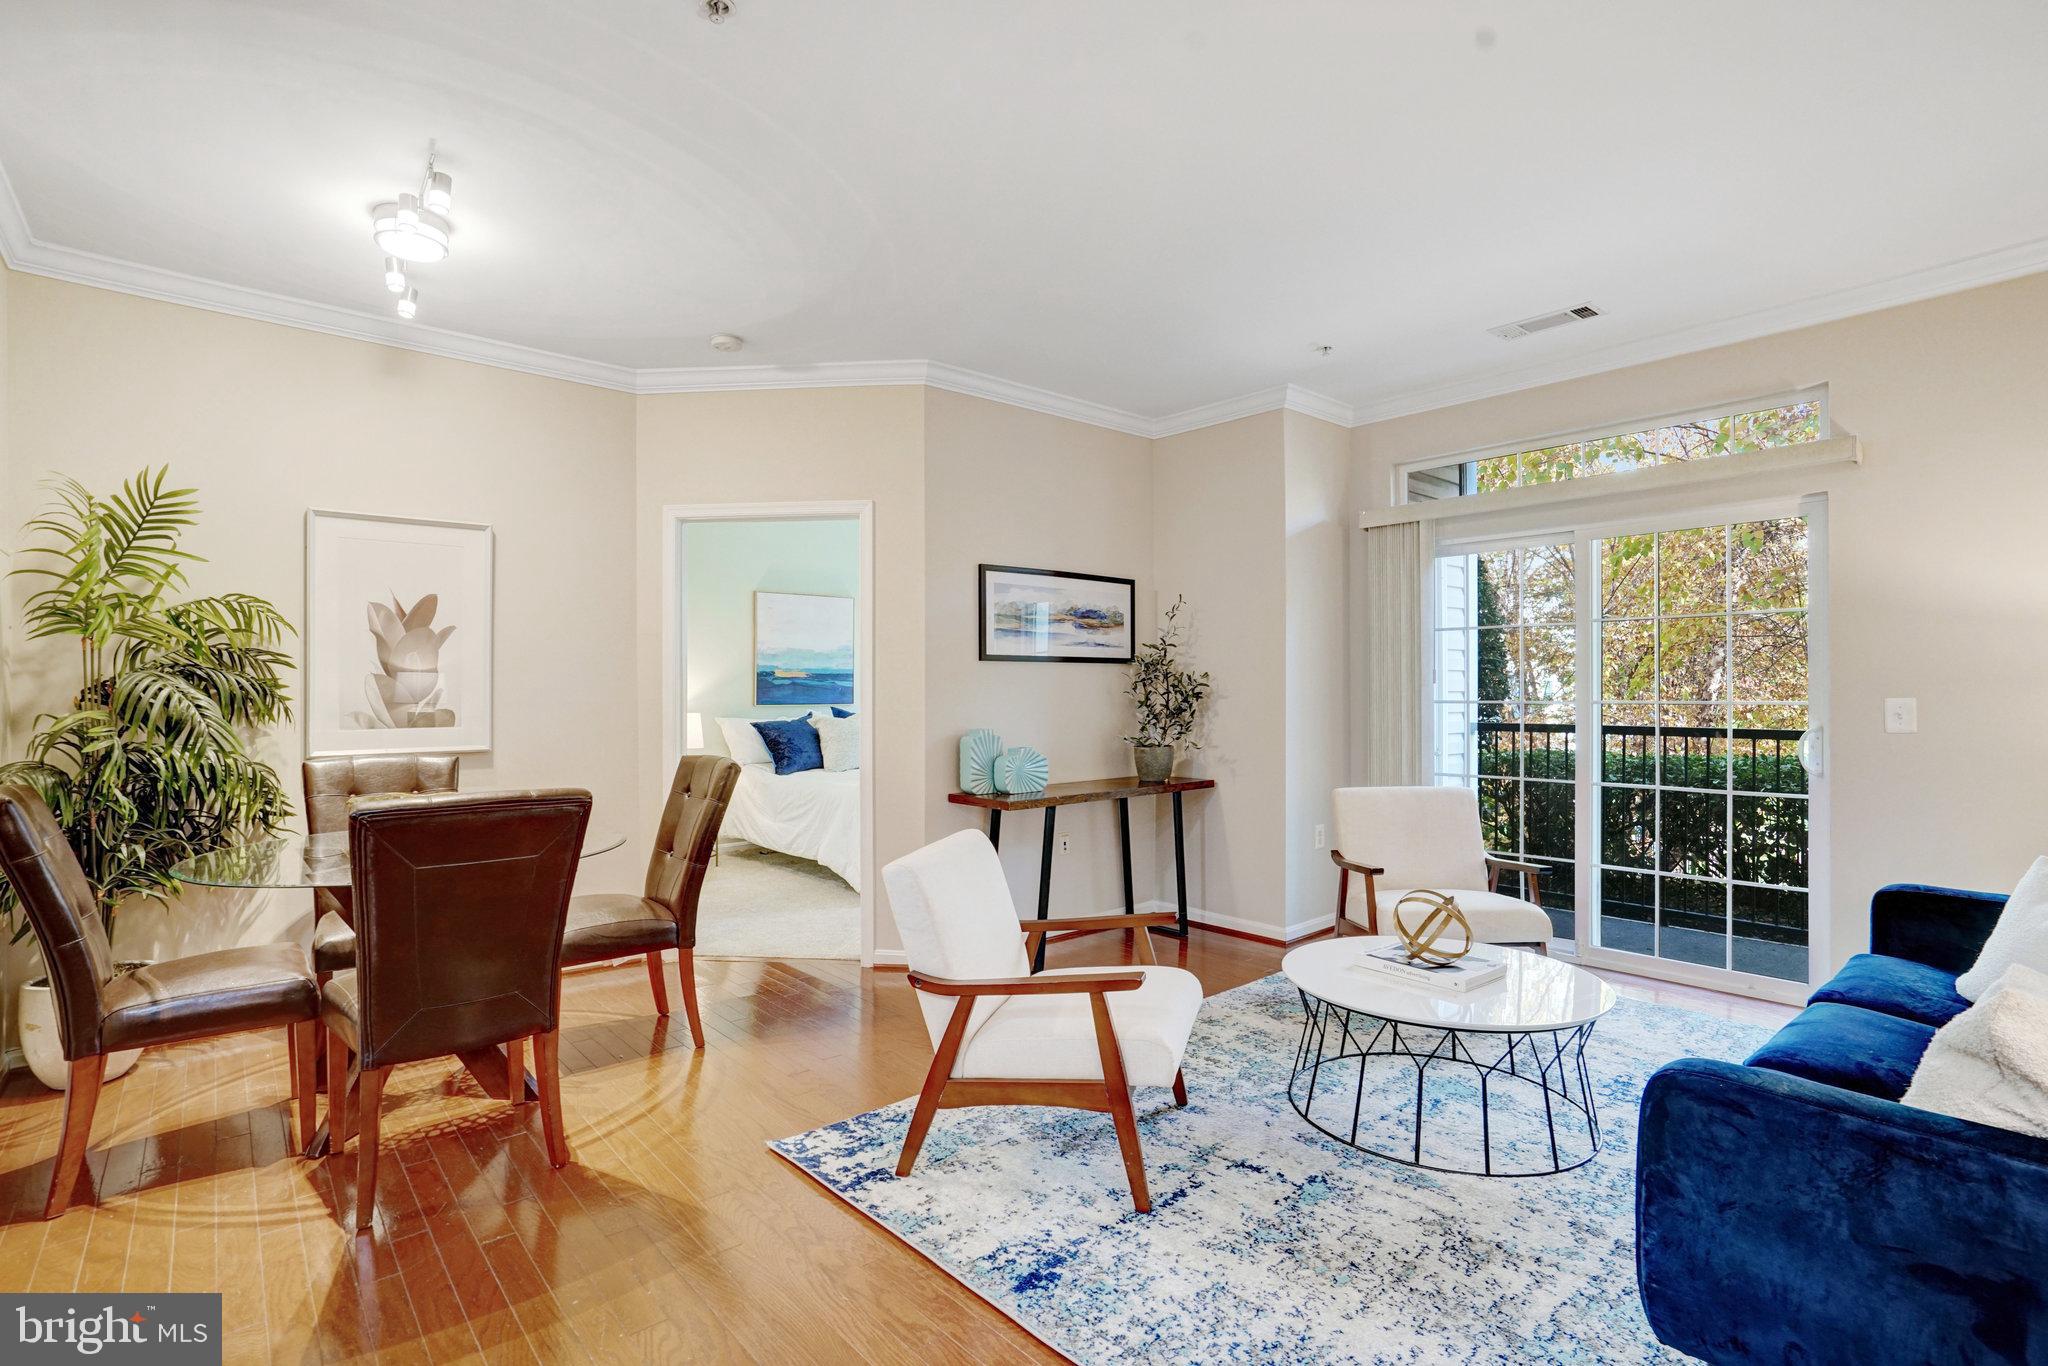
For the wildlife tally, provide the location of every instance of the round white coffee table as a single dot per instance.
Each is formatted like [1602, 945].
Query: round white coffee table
[1528, 1027]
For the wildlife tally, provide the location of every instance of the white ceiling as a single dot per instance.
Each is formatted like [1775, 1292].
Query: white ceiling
[1147, 204]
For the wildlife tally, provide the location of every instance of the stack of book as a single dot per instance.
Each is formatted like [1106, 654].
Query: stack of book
[1483, 964]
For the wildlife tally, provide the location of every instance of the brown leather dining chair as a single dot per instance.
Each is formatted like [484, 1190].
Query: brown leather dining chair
[664, 916]
[331, 784]
[460, 900]
[266, 986]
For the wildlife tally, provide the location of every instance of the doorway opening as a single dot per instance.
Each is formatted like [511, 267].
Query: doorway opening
[767, 661]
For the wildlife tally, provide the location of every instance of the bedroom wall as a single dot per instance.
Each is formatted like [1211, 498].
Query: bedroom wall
[266, 421]
[724, 565]
[1934, 564]
[1005, 485]
[765, 446]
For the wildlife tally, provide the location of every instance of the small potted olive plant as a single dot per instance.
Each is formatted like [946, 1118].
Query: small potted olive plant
[1170, 700]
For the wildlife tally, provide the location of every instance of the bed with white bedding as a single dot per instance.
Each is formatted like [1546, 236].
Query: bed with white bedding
[814, 814]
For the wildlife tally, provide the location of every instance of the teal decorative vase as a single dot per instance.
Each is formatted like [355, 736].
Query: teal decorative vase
[979, 750]
[1021, 769]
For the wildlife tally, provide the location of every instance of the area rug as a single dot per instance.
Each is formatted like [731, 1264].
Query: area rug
[1268, 1241]
[758, 903]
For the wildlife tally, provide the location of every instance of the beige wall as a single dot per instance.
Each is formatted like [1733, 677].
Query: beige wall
[1320, 522]
[1004, 485]
[267, 421]
[1935, 564]
[1218, 537]
[799, 445]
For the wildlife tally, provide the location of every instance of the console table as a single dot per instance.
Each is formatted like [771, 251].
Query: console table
[1118, 790]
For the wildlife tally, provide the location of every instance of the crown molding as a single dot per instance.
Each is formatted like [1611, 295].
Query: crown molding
[710, 379]
[977, 385]
[1291, 397]
[1971, 272]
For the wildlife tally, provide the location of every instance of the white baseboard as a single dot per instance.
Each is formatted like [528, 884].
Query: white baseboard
[891, 958]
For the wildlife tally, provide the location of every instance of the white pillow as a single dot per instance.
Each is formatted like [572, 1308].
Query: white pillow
[1990, 1063]
[743, 742]
[838, 740]
[2020, 936]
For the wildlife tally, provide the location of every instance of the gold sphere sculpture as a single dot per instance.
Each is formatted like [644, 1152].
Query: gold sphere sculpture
[1428, 940]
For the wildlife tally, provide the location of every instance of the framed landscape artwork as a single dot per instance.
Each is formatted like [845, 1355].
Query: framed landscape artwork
[1049, 616]
[803, 649]
[398, 635]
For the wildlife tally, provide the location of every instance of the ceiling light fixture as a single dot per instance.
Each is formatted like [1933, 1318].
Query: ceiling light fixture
[394, 275]
[409, 304]
[414, 227]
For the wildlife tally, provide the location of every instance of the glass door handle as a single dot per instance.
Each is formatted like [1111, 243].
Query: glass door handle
[1813, 751]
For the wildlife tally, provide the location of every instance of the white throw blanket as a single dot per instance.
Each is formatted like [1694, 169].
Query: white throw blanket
[1990, 1063]
[812, 814]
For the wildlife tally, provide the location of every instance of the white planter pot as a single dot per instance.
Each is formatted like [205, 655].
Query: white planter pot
[42, 1047]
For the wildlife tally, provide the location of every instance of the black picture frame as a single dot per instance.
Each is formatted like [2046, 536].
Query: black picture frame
[1123, 651]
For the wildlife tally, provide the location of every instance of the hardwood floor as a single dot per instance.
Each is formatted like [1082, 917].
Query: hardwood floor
[674, 1234]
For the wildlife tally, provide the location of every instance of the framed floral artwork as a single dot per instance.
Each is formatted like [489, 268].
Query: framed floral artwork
[398, 635]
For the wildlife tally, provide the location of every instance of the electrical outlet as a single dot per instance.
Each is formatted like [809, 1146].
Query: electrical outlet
[1901, 715]
[1322, 836]
[1066, 844]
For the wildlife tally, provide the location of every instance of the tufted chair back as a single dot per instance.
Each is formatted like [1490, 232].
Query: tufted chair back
[697, 798]
[332, 781]
[64, 913]
[460, 901]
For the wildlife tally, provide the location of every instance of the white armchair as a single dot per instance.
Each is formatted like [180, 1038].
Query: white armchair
[1393, 840]
[1073, 1037]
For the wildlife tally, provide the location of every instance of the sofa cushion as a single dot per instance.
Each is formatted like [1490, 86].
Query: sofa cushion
[1895, 986]
[1850, 1047]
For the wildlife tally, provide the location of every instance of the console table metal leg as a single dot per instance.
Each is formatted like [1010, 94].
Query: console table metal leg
[995, 826]
[1123, 831]
[1044, 886]
[1180, 869]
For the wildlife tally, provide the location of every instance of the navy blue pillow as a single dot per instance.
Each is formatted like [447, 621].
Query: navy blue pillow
[793, 745]
[841, 712]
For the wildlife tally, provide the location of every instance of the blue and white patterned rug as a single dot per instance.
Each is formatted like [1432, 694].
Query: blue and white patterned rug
[1268, 1241]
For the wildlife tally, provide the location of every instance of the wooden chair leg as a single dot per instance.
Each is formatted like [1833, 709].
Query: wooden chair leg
[658, 983]
[935, 1084]
[686, 969]
[1118, 1088]
[305, 1052]
[80, 1099]
[370, 1099]
[515, 1071]
[337, 1093]
[547, 1065]
[1180, 1089]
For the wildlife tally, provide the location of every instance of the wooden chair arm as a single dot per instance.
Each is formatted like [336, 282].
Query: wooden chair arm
[1347, 865]
[1044, 984]
[1058, 924]
[1508, 865]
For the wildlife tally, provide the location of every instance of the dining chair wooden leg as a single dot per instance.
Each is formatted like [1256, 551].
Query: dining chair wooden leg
[658, 983]
[686, 971]
[81, 1097]
[1180, 1089]
[305, 1052]
[337, 1094]
[515, 1071]
[935, 1084]
[369, 1100]
[547, 1065]
[1119, 1088]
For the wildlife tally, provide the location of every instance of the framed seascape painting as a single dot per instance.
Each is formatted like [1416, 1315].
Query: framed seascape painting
[803, 649]
[1055, 617]
[398, 635]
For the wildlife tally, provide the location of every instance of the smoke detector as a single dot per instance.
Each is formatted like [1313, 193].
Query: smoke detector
[1543, 322]
[726, 341]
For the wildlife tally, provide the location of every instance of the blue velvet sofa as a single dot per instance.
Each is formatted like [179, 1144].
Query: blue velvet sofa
[1791, 1210]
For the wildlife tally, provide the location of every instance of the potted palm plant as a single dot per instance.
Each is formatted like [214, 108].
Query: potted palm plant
[1170, 700]
[149, 763]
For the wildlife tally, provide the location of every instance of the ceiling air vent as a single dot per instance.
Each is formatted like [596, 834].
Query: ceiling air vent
[1543, 322]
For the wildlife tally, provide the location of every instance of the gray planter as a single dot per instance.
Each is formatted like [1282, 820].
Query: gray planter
[1155, 762]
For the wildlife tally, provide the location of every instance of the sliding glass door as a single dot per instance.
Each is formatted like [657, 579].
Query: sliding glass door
[1635, 710]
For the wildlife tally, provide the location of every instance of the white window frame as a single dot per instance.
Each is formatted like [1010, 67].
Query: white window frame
[1816, 393]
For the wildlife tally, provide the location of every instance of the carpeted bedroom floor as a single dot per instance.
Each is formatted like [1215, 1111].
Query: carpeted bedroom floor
[760, 904]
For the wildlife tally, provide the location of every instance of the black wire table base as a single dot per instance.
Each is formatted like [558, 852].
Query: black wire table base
[1553, 1061]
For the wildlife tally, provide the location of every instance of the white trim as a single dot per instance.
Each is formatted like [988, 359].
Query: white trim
[673, 700]
[976, 385]
[1807, 455]
[707, 379]
[1951, 277]
[890, 958]
[1724, 980]
[1286, 396]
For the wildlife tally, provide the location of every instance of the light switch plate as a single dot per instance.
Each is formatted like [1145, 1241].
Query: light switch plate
[1901, 715]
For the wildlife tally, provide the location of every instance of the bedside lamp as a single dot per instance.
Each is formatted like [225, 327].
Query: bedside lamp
[693, 727]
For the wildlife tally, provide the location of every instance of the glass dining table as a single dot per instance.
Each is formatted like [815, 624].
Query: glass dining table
[307, 861]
